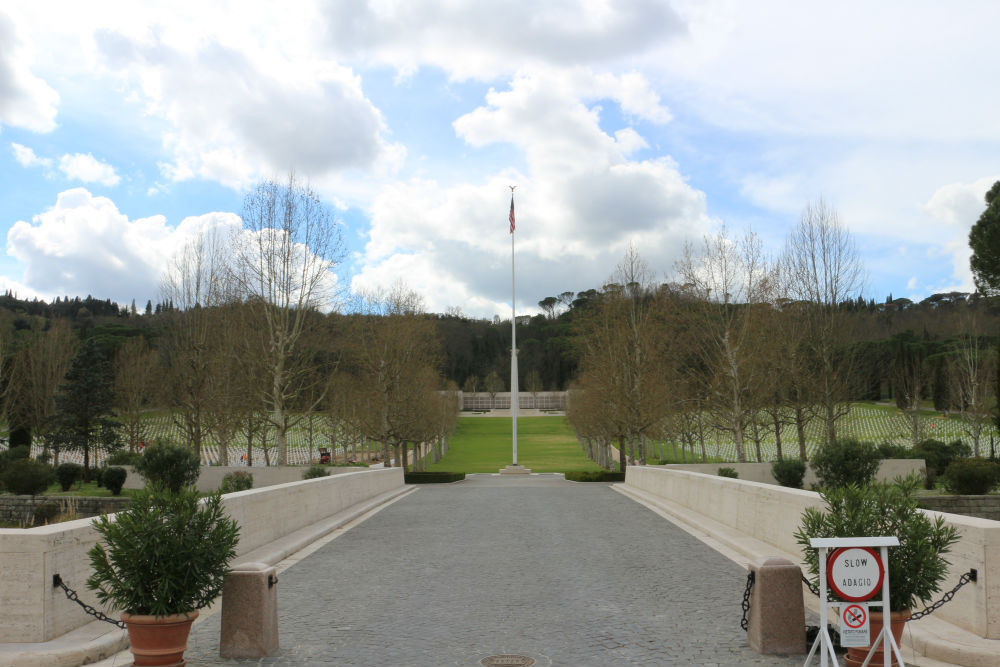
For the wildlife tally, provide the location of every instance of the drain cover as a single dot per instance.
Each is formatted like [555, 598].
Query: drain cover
[507, 660]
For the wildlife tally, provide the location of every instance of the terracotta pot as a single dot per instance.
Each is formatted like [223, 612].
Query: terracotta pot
[897, 619]
[159, 640]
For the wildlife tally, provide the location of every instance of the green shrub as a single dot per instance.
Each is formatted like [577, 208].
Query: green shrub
[46, 512]
[20, 437]
[937, 455]
[67, 474]
[432, 477]
[971, 477]
[114, 479]
[595, 476]
[314, 471]
[840, 463]
[789, 472]
[238, 480]
[892, 450]
[26, 477]
[124, 458]
[728, 472]
[169, 467]
[166, 553]
[13, 454]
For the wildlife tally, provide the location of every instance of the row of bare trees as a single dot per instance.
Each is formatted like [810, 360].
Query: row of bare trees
[252, 346]
[738, 343]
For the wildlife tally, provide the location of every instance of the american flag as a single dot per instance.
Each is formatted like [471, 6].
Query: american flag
[512, 214]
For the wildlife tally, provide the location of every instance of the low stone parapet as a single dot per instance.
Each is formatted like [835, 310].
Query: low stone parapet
[770, 515]
[32, 610]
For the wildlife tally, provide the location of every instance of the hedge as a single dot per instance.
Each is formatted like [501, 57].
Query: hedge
[595, 476]
[432, 477]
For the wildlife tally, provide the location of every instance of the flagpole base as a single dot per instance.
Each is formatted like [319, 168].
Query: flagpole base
[515, 469]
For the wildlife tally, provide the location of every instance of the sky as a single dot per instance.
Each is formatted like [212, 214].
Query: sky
[128, 127]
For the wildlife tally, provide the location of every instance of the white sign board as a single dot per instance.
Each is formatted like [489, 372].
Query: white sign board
[855, 629]
[855, 573]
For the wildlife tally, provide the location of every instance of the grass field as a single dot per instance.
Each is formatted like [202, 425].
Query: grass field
[544, 444]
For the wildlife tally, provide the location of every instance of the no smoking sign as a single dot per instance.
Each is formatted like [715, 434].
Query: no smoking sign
[854, 627]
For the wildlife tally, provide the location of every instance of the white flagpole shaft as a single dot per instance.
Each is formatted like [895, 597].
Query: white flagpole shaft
[513, 344]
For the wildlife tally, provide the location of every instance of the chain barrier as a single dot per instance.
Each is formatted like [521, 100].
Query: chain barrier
[746, 601]
[71, 594]
[969, 576]
[811, 586]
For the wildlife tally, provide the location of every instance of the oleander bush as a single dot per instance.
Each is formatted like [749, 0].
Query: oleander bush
[595, 476]
[971, 477]
[728, 472]
[789, 472]
[844, 462]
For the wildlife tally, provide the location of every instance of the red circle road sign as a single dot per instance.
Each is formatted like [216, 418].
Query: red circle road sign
[854, 616]
[855, 574]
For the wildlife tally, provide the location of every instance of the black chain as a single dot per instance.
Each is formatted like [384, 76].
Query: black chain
[71, 594]
[971, 575]
[746, 601]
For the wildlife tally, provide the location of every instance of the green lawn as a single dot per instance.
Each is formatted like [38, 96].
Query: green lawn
[544, 444]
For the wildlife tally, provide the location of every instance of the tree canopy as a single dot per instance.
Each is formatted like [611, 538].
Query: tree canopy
[984, 239]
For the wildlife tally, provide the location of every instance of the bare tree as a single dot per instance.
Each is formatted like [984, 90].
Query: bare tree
[825, 269]
[38, 367]
[730, 290]
[135, 367]
[972, 369]
[283, 272]
[195, 283]
[395, 355]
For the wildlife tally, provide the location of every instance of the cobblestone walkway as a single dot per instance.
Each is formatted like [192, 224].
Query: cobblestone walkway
[565, 573]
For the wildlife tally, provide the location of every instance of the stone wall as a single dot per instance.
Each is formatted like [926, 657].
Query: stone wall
[771, 514]
[888, 470]
[984, 507]
[22, 508]
[541, 400]
[32, 610]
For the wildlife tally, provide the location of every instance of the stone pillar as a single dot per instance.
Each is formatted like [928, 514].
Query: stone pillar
[777, 618]
[249, 612]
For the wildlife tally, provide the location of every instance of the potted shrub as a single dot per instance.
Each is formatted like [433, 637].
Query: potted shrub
[916, 567]
[161, 560]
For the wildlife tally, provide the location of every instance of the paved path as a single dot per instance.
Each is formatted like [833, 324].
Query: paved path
[565, 573]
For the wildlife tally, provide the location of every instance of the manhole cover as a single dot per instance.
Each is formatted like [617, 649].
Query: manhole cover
[507, 660]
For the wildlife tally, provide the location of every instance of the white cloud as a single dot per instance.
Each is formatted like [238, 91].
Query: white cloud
[955, 208]
[26, 157]
[578, 206]
[239, 113]
[88, 169]
[485, 40]
[84, 244]
[26, 101]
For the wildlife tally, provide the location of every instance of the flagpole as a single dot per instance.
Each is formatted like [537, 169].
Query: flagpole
[513, 328]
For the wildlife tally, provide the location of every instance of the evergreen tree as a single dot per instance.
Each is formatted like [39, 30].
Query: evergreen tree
[984, 239]
[82, 420]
